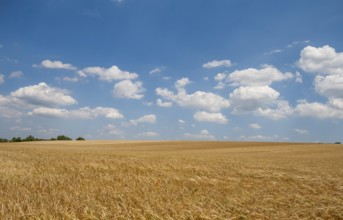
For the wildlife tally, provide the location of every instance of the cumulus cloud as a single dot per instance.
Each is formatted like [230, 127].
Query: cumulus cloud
[82, 113]
[2, 78]
[249, 98]
[181, 83]
[319, 110]
[128, 90]
[279, 109]
[328, 65]
[9, 108]
[255, 126]
[144, 119]
[261, 101]
[203, 134]
[199, 100]
[336, 103]
[110, 74]
[220, 76]
[254, 77]
[210, 117]
[43, 94]
[324, 60]
[161, 103]
[329, 86]
[16, 74]
[55, 65]
[217, 63]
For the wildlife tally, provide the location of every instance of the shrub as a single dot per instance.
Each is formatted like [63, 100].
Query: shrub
[80, 139]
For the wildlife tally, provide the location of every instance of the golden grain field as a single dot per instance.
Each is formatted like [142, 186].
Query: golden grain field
[170, 180]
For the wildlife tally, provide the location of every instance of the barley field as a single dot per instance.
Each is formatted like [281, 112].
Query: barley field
[170, 180]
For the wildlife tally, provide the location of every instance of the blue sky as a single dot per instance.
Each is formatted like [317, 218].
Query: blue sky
[163, 69]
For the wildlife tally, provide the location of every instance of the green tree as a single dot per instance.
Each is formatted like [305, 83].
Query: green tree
[16, 139]
[63, 138]
[80, 139]
[29, 138]
[3, 140]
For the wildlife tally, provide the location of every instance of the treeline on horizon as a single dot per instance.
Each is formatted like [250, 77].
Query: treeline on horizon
[32, 138]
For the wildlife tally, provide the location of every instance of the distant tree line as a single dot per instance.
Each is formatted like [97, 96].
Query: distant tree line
[32, 138]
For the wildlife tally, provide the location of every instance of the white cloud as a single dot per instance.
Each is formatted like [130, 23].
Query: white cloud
[220, 76]
[128, 89]
[254, 77]
[71, 79]
[294, 43]
[160, 103]
[113, 130]
[319, 110]
[298, 78]
[16, 74]
[210, 117]
[82, 113]
[301, 131]
[328, 64]
[181, 83]
[156, 70]
[148, 134]
[17, 128]
[118, 1]
[199, 100]
[49, 131]
[274, 51]
[281, 110]
[44, 95]
[50, 112]
[217, 63]
[2, 78]
[261, 101]
[148, 103]
[110, 74]
[144, 119]
[55, 65]
[255, 126]
[204, 134]
[324, 60]
[1, 46]
[249, 98]
[336, 103]
[329, 86]
[220, 85]
[181, 121]
[9, 107]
